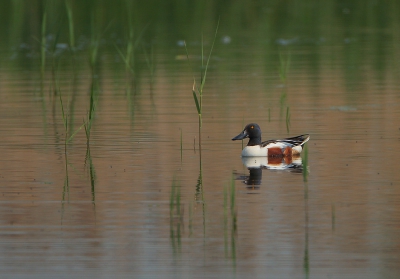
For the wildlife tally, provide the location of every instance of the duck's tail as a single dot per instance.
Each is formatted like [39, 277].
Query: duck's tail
[297, 141]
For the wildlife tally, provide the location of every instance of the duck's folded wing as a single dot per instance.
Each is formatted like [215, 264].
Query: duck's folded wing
[294, 141]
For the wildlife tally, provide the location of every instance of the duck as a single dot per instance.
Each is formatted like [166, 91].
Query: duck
[271, 148]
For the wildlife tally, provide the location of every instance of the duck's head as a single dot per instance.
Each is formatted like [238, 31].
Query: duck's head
[251, 131]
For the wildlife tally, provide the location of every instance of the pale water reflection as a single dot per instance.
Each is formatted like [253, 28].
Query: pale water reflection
[273, 163]
[256, 165]
[136, 202]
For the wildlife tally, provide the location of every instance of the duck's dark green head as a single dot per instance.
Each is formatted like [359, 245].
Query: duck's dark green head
[251, 131]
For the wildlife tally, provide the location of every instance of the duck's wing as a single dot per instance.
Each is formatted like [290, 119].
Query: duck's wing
[294, 141]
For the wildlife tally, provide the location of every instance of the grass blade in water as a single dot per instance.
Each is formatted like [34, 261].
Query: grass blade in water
[70, 25]
[197, 102]
[203, 81]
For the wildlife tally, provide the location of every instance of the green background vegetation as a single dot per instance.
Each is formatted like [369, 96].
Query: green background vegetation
[165, 22]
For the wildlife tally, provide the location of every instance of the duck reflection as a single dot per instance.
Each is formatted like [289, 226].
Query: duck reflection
[255, 165]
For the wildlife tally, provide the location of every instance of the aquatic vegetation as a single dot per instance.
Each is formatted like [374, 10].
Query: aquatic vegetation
[94, 44]
[232, 192]
[199, 193]
[175, 215]
[287, 119]
[88, 127]
[175, 198]
[128, 56]
[199, 197]
[70, 25]
[197, 91]
[92, 108]
[66, 123]
[43, 64]
[92, 173]
[67, 139]
[284, 64]
[305, 162]
[43, 45]
[306, 257]
[229, 190]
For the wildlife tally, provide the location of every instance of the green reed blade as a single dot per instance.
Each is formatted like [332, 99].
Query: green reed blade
[86, 131]
[232, 195]
[94, 41]
[172, 196]
[305, 162]
[75, 132]
[92, 175]
[203, 81]
[92, 108]
[198, 106]
[283, 97]
[65, 120]
[202, 52]
[70, 24]
[139, 37]
[125, 59]
[178, 201]
[287, 119]
[43, 42]
[197, 102]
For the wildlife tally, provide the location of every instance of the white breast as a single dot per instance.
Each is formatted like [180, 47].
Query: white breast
[254, 151]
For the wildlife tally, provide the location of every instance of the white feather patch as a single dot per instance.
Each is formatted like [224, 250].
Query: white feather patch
[254, 151]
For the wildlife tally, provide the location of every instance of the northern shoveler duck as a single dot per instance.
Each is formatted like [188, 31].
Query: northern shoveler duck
[271, 148]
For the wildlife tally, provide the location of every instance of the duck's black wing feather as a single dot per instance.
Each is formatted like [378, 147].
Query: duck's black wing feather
[295, 141]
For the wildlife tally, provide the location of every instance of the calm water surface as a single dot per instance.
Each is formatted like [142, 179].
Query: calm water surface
[130, 204]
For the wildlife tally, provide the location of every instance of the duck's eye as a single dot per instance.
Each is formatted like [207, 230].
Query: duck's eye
[251, 127]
